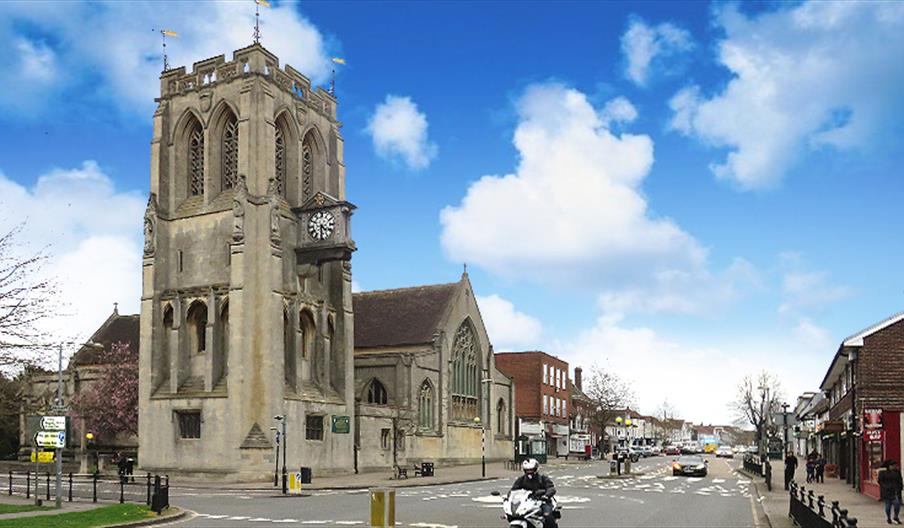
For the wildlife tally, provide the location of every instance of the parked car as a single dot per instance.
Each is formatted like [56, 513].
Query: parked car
[646, 451]
[672, 450]
[724, 451]
[693, 466]
[632, 453]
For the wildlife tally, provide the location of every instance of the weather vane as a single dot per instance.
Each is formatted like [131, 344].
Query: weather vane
[257, 19]
[165, 33]
[336, 60]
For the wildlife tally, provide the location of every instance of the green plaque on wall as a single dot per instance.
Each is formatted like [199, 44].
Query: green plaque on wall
[341, 424]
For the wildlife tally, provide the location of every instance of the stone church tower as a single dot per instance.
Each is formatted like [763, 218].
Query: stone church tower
[246, 311]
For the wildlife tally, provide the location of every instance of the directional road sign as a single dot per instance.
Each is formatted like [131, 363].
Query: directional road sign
[52, 439]
[53, 423]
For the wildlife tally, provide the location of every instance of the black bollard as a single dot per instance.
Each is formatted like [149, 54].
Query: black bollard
[122, 483]
[48, 485]
[70, 486]
[149, 489]
[28, 484]
[94, 482]
[10, 482]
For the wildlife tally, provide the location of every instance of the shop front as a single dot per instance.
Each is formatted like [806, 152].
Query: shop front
[558, 440]
[531, 442]
[881, 441]
[578, 443]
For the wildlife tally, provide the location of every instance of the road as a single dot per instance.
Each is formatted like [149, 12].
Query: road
[722, 499]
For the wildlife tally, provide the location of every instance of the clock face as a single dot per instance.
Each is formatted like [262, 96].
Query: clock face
[321, 224]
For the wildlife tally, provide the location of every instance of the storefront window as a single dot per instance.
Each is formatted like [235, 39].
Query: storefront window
[874, 459]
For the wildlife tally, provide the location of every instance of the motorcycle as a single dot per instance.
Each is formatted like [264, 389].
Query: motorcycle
[522, 510]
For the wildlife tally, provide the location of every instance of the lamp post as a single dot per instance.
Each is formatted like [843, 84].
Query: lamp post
[285, 475]
[483, 447]
[276, 468]
[785, 441]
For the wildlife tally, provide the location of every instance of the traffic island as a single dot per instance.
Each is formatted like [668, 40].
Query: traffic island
[116, 515]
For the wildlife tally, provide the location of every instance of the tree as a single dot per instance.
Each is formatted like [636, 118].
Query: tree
[26, 299]
[757, 400]
[667, 416]
[609, 395]
[9, 415]
[110, 406]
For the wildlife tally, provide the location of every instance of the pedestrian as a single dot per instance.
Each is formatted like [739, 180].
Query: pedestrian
[790, 468]
[120, 462]
[890, 485]
[811, 470]
[130, 468]
[820, 468]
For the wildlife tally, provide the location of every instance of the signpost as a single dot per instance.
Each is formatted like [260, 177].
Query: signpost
[51, 439]
[53, 423]
[44, 457]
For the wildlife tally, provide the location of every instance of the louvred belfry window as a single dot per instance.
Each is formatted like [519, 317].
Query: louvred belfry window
[196, 161]
[307, 169]
[230, 153]
[280, 160]
[465, 374]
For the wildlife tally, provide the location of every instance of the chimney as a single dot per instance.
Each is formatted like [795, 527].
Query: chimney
[577, 378]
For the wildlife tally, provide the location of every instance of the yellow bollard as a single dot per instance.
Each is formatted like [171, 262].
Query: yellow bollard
[382, 507]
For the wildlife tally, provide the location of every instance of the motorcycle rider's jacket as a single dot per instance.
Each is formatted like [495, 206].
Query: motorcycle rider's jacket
[539, 482]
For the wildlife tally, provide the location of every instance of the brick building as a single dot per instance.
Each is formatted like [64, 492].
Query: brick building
[865, 400]
[582, 432]
[541, 402]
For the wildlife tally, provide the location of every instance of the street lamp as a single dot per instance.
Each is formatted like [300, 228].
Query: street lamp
[276, 468]
[483, 440]
[785, 441]
[285, 474]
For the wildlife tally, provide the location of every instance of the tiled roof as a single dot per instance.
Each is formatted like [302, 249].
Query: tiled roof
[404, 316]
[116, 329]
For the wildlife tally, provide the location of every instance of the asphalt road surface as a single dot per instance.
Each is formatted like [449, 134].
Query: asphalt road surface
[722, 499]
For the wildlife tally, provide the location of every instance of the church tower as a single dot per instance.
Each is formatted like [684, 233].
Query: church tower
[246, 311]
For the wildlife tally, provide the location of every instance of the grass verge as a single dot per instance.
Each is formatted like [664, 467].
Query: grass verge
[103, 516]
[16, 508]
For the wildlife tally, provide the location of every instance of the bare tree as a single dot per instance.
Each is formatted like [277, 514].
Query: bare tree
[609, 395]
[26, 299]
[667, 416]
[757, 400]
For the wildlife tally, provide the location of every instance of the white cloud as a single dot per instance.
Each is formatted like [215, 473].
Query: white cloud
[508, 328]
[699, 379]
[818, 74]
[92, 232]
[644, 47]
[574, 213]
[399, 130]
[108, 48]
[618, 110]
[38, 61]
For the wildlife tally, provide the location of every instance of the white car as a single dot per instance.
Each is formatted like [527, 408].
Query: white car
[724, 451]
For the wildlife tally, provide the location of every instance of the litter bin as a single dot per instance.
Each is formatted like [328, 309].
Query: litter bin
[306, 475]
[427, 469]
[613, 467]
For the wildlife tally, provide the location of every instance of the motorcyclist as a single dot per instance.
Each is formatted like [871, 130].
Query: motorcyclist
[540, 486]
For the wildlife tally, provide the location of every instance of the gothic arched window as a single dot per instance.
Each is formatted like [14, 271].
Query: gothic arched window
[279, 161]
[425, 406]
[307, 169]
[465, 374]
[230, 152]
[197, 324]
[376, 393]
[196, 160]
[501, 417]
[291, 370]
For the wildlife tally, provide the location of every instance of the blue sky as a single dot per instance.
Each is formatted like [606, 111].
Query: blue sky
[683, 192]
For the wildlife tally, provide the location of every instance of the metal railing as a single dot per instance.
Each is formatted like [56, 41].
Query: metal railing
[751, 465]
[808, 510]
[90, 487]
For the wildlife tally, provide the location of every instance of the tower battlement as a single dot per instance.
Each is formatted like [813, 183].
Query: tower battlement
[254, 60]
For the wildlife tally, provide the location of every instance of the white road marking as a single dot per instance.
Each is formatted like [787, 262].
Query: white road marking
[285, 520]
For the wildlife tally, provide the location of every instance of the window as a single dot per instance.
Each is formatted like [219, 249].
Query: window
[384, 438]
[307, 169]
[196, 161]
[425, 406]
[189, 424]
[290, 365]
[465, 374]
[230, 160]
[280, 160]
[545, 404]
[545, 374]
[313, 427]
[197, 323]
[501, 417]
[376, 393]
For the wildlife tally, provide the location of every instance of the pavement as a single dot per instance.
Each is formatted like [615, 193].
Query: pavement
[656, 498]
[67, 507]
[869, 512]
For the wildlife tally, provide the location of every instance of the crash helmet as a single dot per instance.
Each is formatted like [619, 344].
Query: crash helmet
[530, 467]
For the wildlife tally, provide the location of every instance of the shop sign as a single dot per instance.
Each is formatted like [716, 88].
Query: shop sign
[341, 424]
[832, 426]
[873, 435]
[561, 430]
[530, 428]
[872, 419]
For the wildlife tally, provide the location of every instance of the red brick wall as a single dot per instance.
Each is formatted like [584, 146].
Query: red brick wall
[527, 369]
[880, 370]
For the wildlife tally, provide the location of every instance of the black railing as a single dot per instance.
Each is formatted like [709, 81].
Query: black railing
[808, 510]
[751, 465]
[88, 487]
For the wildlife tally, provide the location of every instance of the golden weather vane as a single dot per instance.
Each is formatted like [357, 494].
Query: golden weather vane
[163, 34]
[257, 19]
